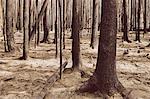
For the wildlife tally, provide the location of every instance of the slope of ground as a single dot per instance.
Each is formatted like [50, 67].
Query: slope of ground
[24, 79]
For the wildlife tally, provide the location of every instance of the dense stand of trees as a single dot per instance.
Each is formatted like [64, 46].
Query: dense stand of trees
[30, 17]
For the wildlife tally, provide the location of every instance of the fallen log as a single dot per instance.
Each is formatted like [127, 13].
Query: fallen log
[50, 82]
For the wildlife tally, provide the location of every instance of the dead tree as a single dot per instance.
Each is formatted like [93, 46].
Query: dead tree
[20, 15]
[61, 31]
[9, 27]
[46, 27]
[139, 13]
[94, 28]
[41, 13]
[125, 22]
[26, 29]
[105, 78]
[75, 35]
[131, 14]
[64, 22]
[145, 16]
[4, 24]
[56, 34]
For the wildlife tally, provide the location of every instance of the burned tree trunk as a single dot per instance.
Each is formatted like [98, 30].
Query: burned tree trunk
[94, 29]
[138, 31]
[41, 13]
[4, 24]
[26, 29]
[46, 27]
[145, 17]
[64, 22]
[75, 35]
[105, 78]
[20, 15]
[125, 22]
[9, 27]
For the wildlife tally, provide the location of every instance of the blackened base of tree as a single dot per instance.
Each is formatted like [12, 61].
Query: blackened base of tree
[106, 88]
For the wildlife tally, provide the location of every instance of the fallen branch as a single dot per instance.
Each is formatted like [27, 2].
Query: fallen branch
[50, 82]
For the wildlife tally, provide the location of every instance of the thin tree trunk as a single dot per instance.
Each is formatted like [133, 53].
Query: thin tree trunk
[145, 17]
[26, 30]
[94, 29]
[125, 22]
[21, 15]
[61, 31]
[56, 34]
[51, 15]
[46, 27]
[64, 22]
[131, 14]
[139, 12]
[41, 13]
[135, 16]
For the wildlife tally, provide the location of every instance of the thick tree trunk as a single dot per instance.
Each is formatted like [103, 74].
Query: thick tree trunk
[105, 78]
[105, 72]
[75, 35]
[4, 23]
[9, 28]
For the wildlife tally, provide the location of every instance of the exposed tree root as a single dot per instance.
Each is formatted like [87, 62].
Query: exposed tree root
[71, 70]
[91, 86]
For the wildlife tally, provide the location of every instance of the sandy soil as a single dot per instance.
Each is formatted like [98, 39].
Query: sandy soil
[21, 79]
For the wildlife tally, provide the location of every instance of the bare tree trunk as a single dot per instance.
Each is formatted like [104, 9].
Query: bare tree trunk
[9, 28]
[51, 15]
[4, 24]
[26, 30]
[105, 77]
[41, 13]
[145, 17]
[135, 16]
[61, 31]
[21, 15]
[38, 24]
[64, 22]
[46, 27]
[139, 12]
[56, 34]
[94, 29]
[125, 22]
[75, 35]
[131, 14]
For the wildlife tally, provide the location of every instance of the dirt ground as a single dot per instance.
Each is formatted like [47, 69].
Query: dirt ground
[20, 79]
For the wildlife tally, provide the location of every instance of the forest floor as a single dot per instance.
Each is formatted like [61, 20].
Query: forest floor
[24, 79]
